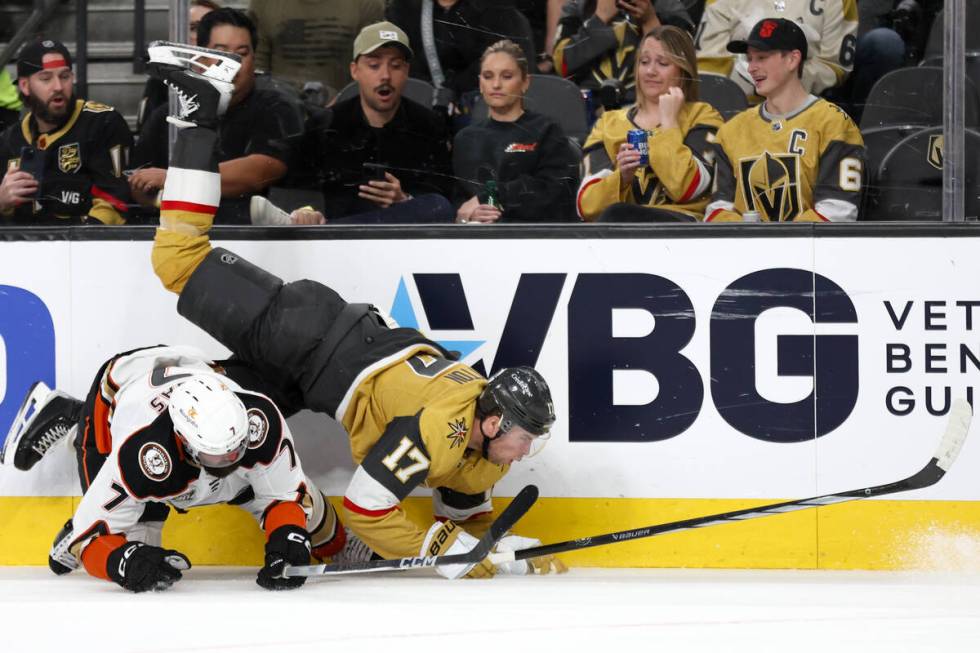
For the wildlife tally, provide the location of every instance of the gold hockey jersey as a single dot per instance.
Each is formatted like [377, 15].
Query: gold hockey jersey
[807, 166]
[679, 174]
[830, 27]
[409, 425]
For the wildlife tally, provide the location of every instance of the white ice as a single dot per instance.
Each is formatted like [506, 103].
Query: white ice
[677, 610]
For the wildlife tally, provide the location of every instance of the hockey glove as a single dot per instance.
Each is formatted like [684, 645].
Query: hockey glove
[541, 565]
[448, 538]
[140, 567]
[287, 545]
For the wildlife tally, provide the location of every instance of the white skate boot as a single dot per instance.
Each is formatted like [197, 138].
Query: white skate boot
[202, 79]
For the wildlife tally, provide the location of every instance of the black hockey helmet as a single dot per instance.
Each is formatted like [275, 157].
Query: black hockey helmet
[522, 397]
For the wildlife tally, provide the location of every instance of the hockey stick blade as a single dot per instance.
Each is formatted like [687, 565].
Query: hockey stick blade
[508, 517]
[949, 448]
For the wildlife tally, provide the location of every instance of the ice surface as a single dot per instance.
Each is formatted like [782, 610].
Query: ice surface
[223, 610]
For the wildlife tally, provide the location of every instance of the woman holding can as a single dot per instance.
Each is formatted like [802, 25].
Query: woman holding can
[650, 162]
[517, 165]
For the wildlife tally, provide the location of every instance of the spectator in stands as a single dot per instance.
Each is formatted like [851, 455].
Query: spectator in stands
[597, 42]
[890, 35]
[257, 137]
[10, 104]
[155, 92]
[675, 184]
[384, 158]
[302, 41]
[795, 157]
[63, 163]
[460, 31]
[515, 166]
[830, 28]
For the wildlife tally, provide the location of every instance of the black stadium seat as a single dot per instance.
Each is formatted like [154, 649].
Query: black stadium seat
[934, 44]
[914, 96]
[556, 97]
[723, 94]
[902, 103]
[910, 178]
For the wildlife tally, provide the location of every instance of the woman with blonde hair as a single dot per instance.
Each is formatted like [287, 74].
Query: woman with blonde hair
[673, 185]
[516, 165]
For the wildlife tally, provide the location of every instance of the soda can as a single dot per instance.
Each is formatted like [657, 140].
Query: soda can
[637, 138]
[589, 100]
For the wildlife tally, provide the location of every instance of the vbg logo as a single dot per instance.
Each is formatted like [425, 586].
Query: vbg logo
[26, 349]
[594, 353]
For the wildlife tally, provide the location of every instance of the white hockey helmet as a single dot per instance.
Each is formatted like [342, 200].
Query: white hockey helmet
[210, 420]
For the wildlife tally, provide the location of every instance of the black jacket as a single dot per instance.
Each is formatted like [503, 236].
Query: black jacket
[461, 34]
[535, 166]
[413, 146]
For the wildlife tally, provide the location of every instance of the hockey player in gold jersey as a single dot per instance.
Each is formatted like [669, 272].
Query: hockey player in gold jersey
[675, 184]
[415, 415]
[795, 157]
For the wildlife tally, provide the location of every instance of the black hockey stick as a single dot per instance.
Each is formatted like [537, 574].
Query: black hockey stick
[508, 517]
[949, 449]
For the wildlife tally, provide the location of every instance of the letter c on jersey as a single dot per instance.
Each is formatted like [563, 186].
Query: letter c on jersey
[26, 349]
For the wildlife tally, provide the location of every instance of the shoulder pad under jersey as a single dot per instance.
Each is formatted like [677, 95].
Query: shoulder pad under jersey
[152, 464]
[264, 430]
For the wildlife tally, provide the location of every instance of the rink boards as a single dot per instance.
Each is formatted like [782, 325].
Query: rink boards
[693, 371]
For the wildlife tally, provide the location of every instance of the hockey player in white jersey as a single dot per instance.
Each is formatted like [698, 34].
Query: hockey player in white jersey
[182, 434]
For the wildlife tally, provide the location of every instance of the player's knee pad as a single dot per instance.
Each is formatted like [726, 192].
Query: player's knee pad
[226, 295]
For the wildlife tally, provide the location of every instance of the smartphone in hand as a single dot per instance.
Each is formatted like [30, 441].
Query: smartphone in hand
[374, 171]
[32, 161]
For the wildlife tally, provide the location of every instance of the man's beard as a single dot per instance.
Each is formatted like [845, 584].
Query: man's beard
[43, 111]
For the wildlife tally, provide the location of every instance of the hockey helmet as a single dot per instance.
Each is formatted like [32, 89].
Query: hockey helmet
[522, 397]
[210, 420]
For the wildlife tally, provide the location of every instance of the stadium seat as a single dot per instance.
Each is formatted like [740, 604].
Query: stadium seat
[934, 44]
[723, 94]
[556, 97]
[417, 90]
[913, 96]
[910, 178]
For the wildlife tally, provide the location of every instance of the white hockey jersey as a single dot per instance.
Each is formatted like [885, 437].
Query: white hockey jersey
[830, 27]
[147, 462]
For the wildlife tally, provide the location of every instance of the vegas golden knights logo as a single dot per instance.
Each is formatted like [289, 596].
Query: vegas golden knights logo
[935, 151]
[770, 185]
[650, 194]
[69, 158]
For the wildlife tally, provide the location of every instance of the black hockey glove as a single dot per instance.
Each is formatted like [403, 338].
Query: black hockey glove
[140, 567]
[288, 545]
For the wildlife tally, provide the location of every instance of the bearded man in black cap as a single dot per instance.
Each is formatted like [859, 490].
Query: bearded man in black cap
[63, 163]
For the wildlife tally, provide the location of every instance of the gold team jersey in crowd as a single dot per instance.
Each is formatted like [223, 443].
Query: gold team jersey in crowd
[807, 166]
[679, 174]
[830, 27]
[409, 425]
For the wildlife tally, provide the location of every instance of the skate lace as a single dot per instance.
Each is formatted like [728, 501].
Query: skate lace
[188, 103]
[355, 550]
[50, 438]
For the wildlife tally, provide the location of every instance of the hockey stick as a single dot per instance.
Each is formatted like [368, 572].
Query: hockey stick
[508, 517]
[949, 449]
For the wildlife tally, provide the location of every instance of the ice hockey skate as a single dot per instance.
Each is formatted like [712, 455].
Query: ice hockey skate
[265, 213]
[46, 417]
[355, 550]
[201, 78]
[60, 560]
